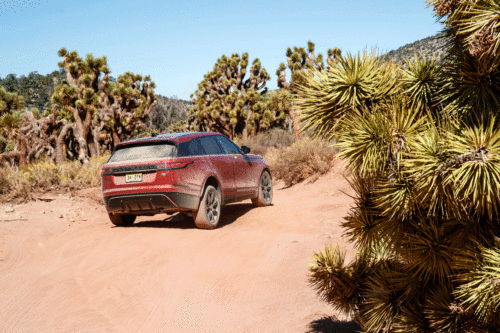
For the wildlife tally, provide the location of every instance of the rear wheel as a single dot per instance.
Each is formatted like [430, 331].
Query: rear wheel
[208, 214]
[122, 219]
[265, 196]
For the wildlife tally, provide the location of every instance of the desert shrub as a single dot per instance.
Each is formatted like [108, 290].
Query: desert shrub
[91, 175]
[20, 184]
[305, 159]
[274, 138]
[43, 175]
[14, 184]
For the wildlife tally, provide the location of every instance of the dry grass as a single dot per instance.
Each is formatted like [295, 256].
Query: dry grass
[289, 161]
[22, 184]
[305, 159]
[262, 142]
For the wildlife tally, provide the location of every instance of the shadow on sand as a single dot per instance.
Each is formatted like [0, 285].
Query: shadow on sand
[333, 325]
[229, 214]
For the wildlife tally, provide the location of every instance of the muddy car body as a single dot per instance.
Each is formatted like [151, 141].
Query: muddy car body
[194, 173]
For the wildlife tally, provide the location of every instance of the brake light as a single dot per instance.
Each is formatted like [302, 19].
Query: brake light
[106, 170]
[175, 165]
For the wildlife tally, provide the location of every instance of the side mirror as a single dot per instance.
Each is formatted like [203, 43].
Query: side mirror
[245, 149]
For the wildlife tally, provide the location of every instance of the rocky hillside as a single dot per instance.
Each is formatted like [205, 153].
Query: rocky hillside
[434, 45]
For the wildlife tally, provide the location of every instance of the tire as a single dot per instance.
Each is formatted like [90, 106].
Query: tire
[265, 196]
[122, 219]
[208, 214]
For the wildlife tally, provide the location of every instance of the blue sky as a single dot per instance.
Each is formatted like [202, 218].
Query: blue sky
[178, 42]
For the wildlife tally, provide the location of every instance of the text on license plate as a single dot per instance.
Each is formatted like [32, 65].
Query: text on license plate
[133, 178]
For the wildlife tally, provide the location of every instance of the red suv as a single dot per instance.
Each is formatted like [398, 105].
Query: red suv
[192, 173]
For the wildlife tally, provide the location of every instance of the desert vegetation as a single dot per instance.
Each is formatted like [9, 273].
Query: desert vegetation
[421, 142]
[418, 131]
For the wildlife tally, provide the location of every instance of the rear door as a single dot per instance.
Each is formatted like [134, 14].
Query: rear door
[134, 167]
[191, 178]
[244, 167]
[222, 164]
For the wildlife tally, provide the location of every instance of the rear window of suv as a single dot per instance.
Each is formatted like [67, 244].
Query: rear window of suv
[144, 151]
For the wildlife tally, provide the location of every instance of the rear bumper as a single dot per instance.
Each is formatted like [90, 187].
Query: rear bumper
[151, 203]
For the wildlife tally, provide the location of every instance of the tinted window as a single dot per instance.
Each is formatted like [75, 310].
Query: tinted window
[195, 147]
[228, 146]
[143, 151]
[191, 148]
[210, 146]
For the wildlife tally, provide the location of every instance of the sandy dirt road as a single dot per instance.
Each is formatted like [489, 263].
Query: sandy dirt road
[79, 273]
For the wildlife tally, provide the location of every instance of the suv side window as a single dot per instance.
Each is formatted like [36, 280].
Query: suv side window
[191, 148]
[227, 145]
[210, 145]
[195, 148]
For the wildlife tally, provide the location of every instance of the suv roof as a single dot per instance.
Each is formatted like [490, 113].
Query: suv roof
[172, 137]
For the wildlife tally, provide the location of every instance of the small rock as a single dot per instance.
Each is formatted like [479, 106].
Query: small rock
[72, 220]
[61, 216]
[9, 209]
[43, 212]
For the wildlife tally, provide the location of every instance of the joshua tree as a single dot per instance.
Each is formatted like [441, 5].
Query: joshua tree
[299, 61]
[426, 213]
[89, 113]
[350, 83]
[421, 81]
[229, 103]
[279, 104]
[101, 113]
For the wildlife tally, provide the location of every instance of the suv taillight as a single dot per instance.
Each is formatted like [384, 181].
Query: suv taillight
[106, 170]
[174, 165]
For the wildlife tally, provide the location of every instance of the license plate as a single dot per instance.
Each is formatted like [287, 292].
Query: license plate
[133, 178]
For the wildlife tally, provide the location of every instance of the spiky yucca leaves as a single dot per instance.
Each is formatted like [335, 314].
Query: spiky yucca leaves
[366, 140]
[355, 81]
[429, 246]
[420, 80]
[428, 155]
[386, 294]
[300, 61]
[340, 284]
[477, 23]
[362, 221]
[479, 290]
[471, 72]
[476, 169]
[445, 313]
[374, 140]
[471, 87]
